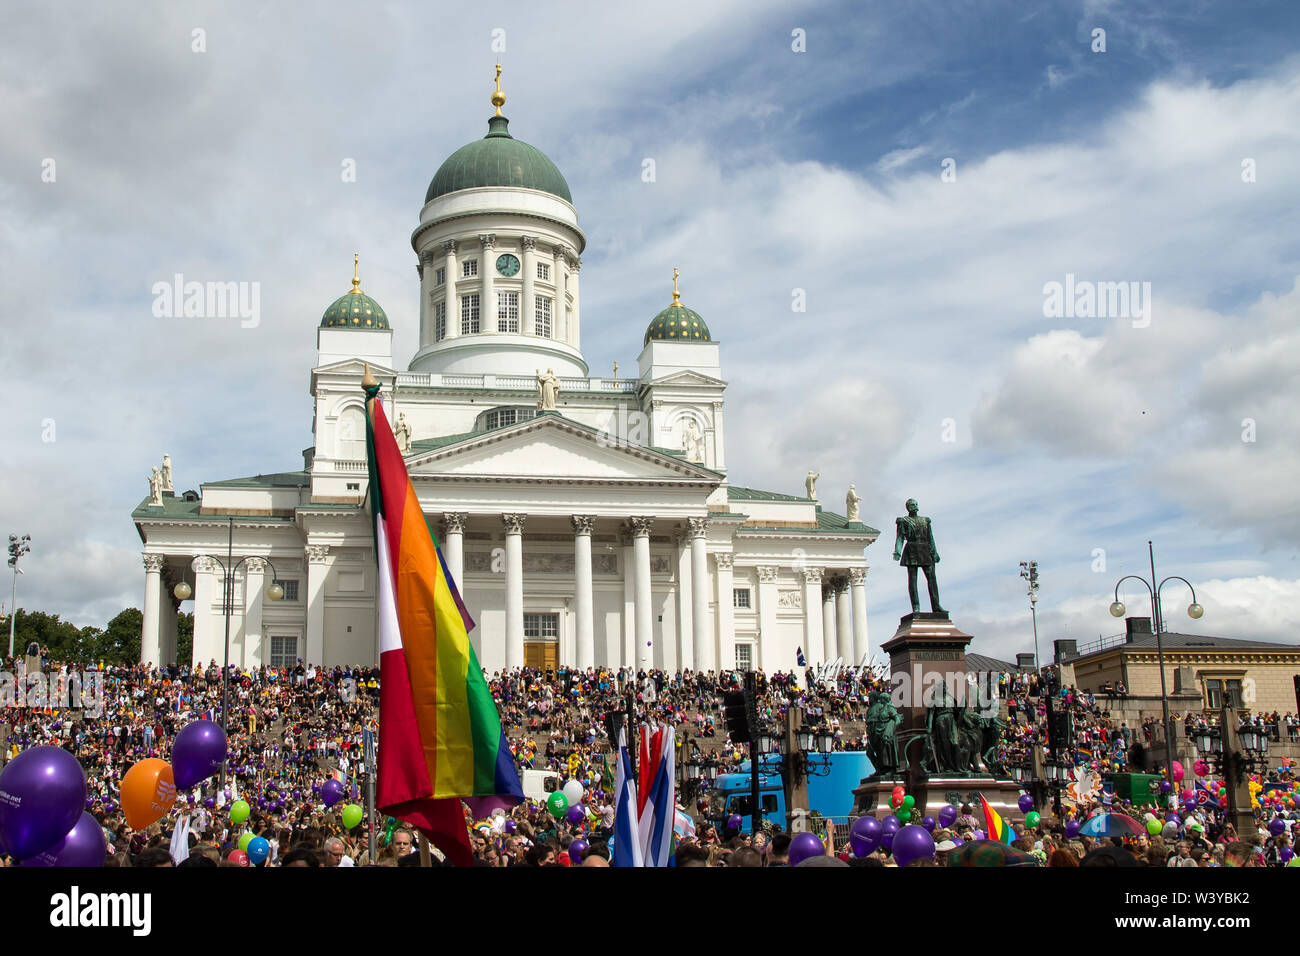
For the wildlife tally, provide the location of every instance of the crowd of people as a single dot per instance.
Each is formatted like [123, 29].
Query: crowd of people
[291, 729]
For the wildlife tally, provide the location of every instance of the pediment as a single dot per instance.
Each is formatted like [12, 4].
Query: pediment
[688, 378]
[553, 447]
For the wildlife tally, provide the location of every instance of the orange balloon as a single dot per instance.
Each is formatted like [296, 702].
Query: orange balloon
[148, 792]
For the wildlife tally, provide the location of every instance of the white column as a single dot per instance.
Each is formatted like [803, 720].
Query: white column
[252, 652]
[453, 540]
[453, 300]
[151, 651]
[514, 525]
[844, 621]
[828, 619]
[704, 659]
[769, 651]
[585, 632]
[628, 657]
[683, 593]
[574, 334]
[207, 587]
[527, 306]
[726, 633]
[644, 611]
[317, 568]
[559, 327]
[858, 585]
[813, 642]
[487, 269]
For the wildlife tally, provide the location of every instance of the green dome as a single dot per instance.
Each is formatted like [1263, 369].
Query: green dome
[498, 159]
[677, 324]
[354, 310]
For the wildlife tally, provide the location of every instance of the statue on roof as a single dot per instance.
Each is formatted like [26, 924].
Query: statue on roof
[692, 440]
[155, 487]
[852, 503]
[810, 483]
[548, 390]
[167, 473]
[402, 432]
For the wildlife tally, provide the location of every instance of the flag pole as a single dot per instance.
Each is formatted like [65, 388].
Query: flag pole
[424, 849]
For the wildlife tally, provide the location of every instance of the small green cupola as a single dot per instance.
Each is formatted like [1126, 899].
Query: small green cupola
[355, 309]
[677, 323]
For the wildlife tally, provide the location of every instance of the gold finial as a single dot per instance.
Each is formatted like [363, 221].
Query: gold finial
[356, 272]
[368, 380]
[498, 98]
[677, 296]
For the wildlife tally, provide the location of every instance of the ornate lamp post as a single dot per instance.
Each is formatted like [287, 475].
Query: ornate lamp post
[1029, 571]
[228, 567]
[18, 546]
[1194, 611]
[1235, 752]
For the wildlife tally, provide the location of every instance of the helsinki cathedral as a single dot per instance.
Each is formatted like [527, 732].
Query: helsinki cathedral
[587, 520]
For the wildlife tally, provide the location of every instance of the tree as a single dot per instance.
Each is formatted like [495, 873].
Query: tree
[61, 638]
[119, 643]
[184, 638]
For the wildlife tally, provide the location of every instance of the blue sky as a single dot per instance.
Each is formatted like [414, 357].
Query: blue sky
[776, 170]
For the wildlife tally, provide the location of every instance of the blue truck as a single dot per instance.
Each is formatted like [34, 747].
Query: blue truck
[830, 795]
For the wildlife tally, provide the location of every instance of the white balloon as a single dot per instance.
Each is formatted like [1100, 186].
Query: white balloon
[573, 792]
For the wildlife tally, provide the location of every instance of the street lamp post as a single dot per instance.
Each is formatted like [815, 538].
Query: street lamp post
[1194, 611]
[228, 567]
[18, 546]
[1029, 571]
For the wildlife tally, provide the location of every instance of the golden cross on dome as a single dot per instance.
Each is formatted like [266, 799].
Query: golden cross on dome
[356, 272]
[677, 296]
[498, 98]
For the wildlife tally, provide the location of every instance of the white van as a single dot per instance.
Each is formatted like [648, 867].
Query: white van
[540, 784]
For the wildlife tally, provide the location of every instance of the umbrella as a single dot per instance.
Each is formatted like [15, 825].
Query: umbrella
[1112, 825]
[990, 853]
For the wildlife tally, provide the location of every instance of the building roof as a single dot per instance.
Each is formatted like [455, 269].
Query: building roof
[282, 479]
[1185, 642]
[498, 159]
[978, 662]
[736, 492]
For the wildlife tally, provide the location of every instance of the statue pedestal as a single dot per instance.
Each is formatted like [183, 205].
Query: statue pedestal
[926, 648]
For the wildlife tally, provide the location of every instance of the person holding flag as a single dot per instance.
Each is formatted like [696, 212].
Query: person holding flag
[440, 735]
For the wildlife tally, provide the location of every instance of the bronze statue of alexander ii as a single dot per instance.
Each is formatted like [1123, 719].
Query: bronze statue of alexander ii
[914, 547]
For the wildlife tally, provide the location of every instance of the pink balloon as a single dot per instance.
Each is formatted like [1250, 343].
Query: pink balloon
[1178, 771]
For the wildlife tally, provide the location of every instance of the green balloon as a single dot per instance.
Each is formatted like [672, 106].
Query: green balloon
[909, 802]
[903, 815]
[1032, 819]
[557, 803]
[1154, 827]
[244, 840]
[352, 815]
[239, 811]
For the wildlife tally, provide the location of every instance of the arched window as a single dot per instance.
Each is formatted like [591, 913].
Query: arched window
[351, 435]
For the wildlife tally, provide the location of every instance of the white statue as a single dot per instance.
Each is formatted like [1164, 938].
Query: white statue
[155, 487]
[851, 500]
[167, 472]
[402, 432]
[811, 483]
[692, 441]
[548, 389]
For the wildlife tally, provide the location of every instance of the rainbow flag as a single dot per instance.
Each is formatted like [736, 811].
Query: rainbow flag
[995, 827]
[440, 737]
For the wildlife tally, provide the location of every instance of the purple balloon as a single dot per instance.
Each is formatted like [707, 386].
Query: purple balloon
[958, 841]
[887, 838]
[198, 752]
[331, 792]
[1285, 854]
[864, 835]
[83, 846]
[510, 826]
[733, 822]
[210, 803]
[891, 824]
[928, 823]
[576, 849]
[42, 792]
[1166, 786]
[979, 835]
[947, 816]
[912, 843]
[575, 815]
[1276, 825]
[1025, 803]
[1072, 828]
[804, 846]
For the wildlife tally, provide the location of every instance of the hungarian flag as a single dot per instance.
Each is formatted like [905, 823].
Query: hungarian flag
[440, 737]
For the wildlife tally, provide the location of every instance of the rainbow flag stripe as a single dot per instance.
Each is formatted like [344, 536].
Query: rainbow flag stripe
[440, 736]
[995, 828]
